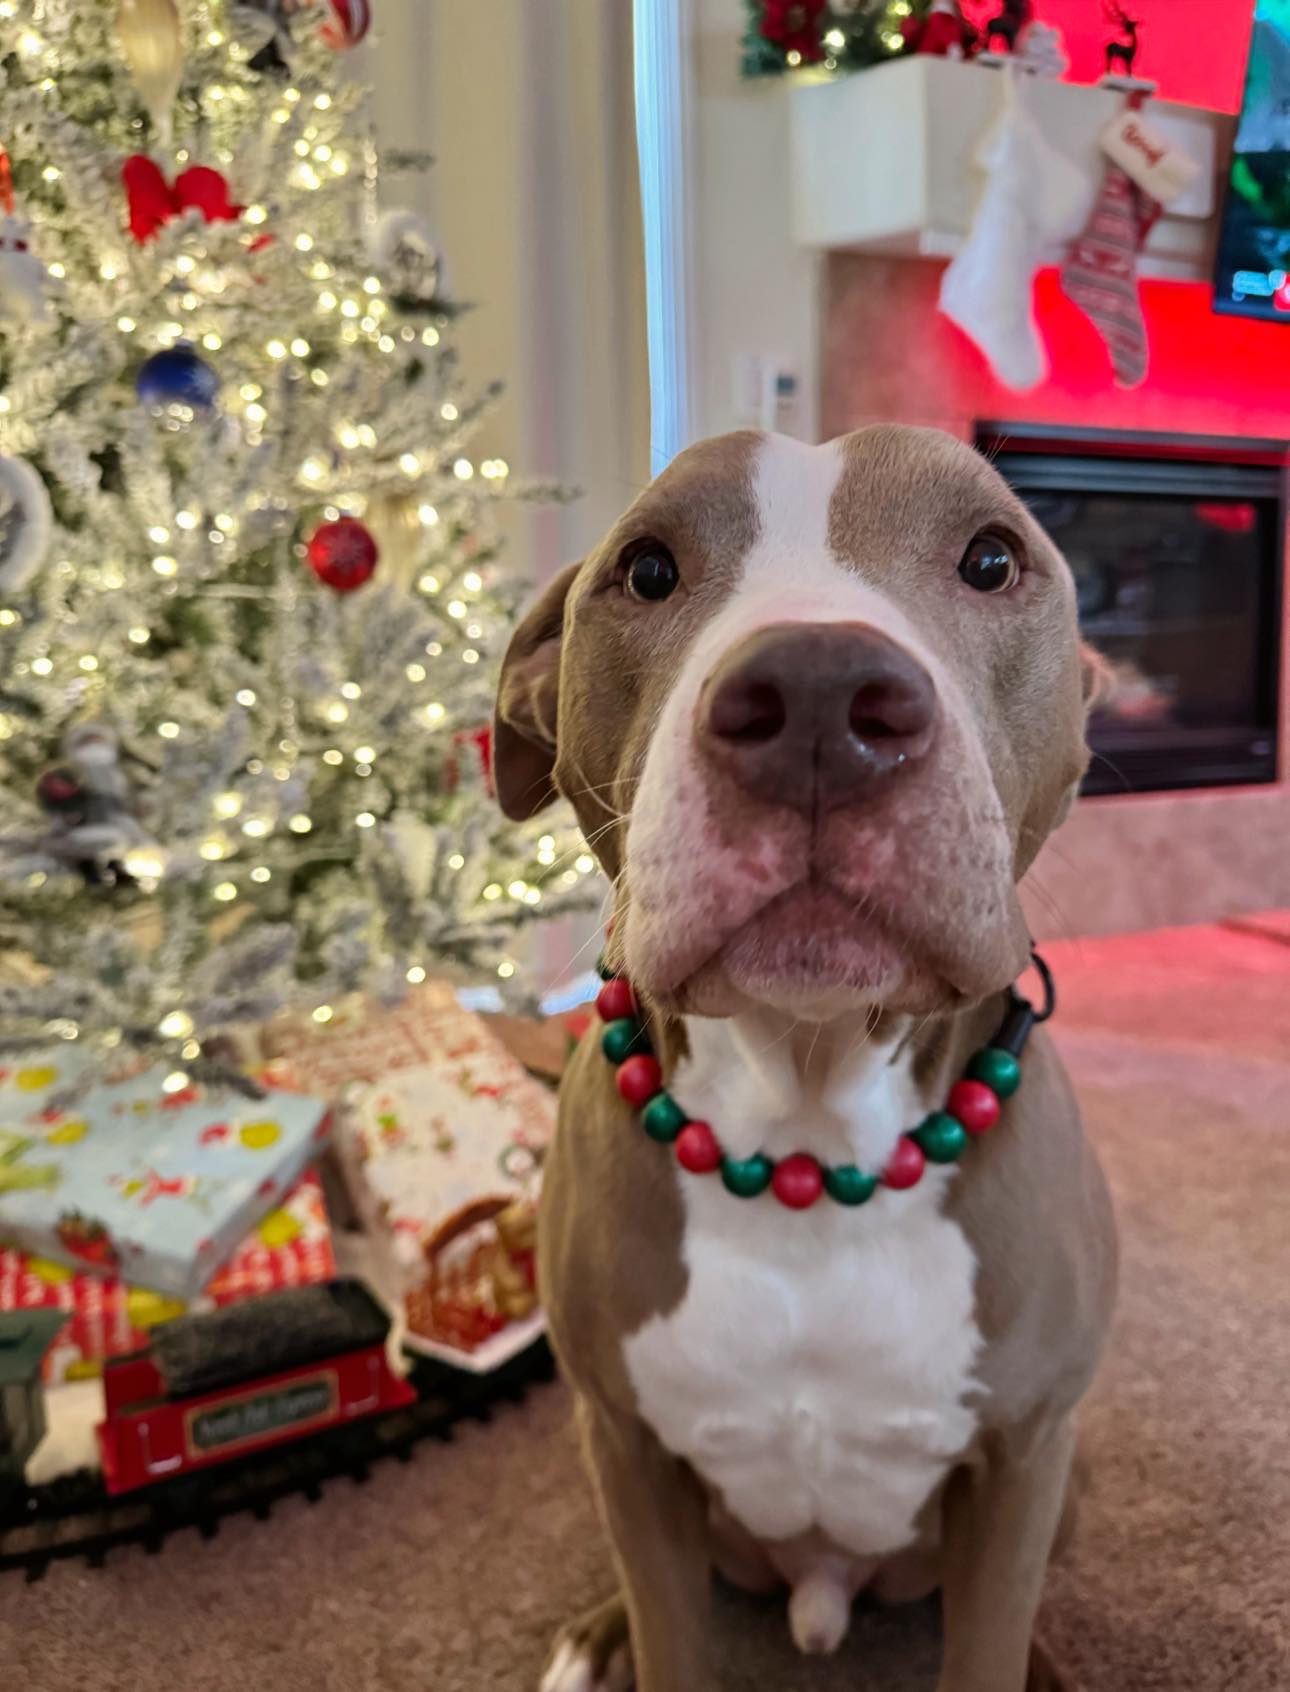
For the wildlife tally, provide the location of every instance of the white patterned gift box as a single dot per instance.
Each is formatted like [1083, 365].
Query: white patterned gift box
[125, 1178]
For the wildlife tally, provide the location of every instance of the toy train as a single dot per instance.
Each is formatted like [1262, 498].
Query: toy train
[237, 1380]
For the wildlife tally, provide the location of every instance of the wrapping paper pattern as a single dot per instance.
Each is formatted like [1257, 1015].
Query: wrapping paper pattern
[129, 1179]
[289, 1247]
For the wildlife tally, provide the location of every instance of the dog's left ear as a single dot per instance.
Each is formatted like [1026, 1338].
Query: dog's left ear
[528, 696]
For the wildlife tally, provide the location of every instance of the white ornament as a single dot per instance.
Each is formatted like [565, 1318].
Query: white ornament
[1041, 50]
[22, 275]
[26, 523]
[400, 246]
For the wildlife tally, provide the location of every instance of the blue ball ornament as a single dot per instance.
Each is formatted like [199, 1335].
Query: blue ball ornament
[177, 376]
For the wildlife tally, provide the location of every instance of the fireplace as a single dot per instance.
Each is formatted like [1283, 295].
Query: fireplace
[1176, 547]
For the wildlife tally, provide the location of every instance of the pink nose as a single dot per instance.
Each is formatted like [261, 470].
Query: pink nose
[816, 715]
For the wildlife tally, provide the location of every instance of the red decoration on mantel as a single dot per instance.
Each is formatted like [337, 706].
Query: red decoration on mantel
[794, 25]
[153, 201]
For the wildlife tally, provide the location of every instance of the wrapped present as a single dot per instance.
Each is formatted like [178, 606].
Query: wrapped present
[442, 1152]
[291, 1246]
[143, 1175]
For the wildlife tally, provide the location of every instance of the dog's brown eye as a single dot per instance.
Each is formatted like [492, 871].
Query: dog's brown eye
[988, 565]
[652, 574]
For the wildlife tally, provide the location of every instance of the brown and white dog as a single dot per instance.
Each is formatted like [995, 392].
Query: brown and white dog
[817, 709]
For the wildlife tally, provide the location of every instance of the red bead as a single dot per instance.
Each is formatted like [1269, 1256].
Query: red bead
[697, 1149]
[639, 1078]
[906, 1165]
[615, 1000]
[798, 1181]
[974, 1104]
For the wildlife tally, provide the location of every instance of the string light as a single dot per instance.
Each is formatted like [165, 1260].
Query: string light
[416, 974]
[175, 1082]
[255, 828]
[492, 891]
[178, 1025]
[435, 713]
[463, 469]
[415, 672]
[168, 730]
[224, 891]
[332, 756]
[261, 873]
[365, 819]
[351, 690]
[456, 861]
[164, 565]
[506, 969]
[472, 581]
[365, 754]
[300, 823]
[323, 1013]
[336, 712]
[140, 636]
[244, 696]
[448, 411]
[428, 515]
[213, 849]
[41, 666]
[187, 519]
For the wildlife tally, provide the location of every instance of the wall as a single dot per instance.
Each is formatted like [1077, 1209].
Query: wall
[1120, 863]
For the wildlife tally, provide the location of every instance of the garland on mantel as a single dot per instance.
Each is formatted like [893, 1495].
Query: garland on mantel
[825, 35]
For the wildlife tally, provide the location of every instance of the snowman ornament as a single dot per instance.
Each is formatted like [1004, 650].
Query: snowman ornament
[400, 246]
[22, 275]
[88, 802]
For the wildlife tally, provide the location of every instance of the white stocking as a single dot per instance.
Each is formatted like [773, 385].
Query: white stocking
[1034, 198]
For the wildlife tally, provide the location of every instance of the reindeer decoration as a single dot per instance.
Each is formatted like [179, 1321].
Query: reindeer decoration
[1122, 53]
[1013, 16]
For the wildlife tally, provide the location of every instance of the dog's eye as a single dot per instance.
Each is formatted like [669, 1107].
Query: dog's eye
[989, 566]
[652, 574]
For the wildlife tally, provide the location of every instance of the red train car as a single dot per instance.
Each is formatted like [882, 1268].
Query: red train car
[237, 1380]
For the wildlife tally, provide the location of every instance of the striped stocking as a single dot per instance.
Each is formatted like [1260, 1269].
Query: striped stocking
[1101, 272]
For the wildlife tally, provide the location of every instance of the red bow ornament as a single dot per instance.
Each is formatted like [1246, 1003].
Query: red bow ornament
[153, 201]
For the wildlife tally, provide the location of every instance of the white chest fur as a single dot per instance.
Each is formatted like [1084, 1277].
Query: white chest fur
[815, 1372]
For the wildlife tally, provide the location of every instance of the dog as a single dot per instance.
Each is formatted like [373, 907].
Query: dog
[816, 708]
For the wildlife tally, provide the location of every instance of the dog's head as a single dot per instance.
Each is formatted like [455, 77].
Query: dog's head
[817, 708]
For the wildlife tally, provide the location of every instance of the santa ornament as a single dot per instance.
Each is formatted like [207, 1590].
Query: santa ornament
[944, 32]
[26, 523]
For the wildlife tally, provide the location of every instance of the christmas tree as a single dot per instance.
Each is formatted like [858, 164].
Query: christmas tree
[249, 580]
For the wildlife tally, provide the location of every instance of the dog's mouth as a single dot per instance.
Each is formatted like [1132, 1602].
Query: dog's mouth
[815, 951]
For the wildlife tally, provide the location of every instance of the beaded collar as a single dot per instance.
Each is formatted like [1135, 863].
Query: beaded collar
[973, 1107]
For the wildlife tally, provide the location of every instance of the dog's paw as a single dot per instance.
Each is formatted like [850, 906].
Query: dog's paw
[592, 1654]
[1043, 1674]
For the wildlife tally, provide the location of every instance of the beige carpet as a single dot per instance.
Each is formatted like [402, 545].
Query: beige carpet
[449, 1575]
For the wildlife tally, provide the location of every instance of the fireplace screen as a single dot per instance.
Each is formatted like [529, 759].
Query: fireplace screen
[1177, 566]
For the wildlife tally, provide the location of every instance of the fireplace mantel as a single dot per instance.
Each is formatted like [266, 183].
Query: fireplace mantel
[883, 162]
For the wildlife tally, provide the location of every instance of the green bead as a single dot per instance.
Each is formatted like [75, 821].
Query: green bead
[623, 1037]
[745, 1177]
[941, 1138]
[999, 1070]
[849, 1185]
[663, 1118]
[604, 969]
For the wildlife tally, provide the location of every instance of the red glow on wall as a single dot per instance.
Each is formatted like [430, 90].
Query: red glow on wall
[1195, 49]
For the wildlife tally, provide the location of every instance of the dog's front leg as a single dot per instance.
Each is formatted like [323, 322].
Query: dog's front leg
[1000, 1521]
[657, 1521]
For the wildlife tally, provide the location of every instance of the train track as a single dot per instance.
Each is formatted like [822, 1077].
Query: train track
[73, 1517]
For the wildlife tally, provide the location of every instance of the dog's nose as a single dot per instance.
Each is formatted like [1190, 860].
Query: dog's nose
[816, 715]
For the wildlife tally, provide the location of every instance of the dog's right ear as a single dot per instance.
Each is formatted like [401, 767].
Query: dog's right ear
[528, 695]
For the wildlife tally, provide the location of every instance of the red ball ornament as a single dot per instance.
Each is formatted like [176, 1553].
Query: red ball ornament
[798, 1181]
[697, 1149]
[615, 999]
[342, 554]
[905, 1166]
[639, 1078]
[974, 1104]
[349, 22]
